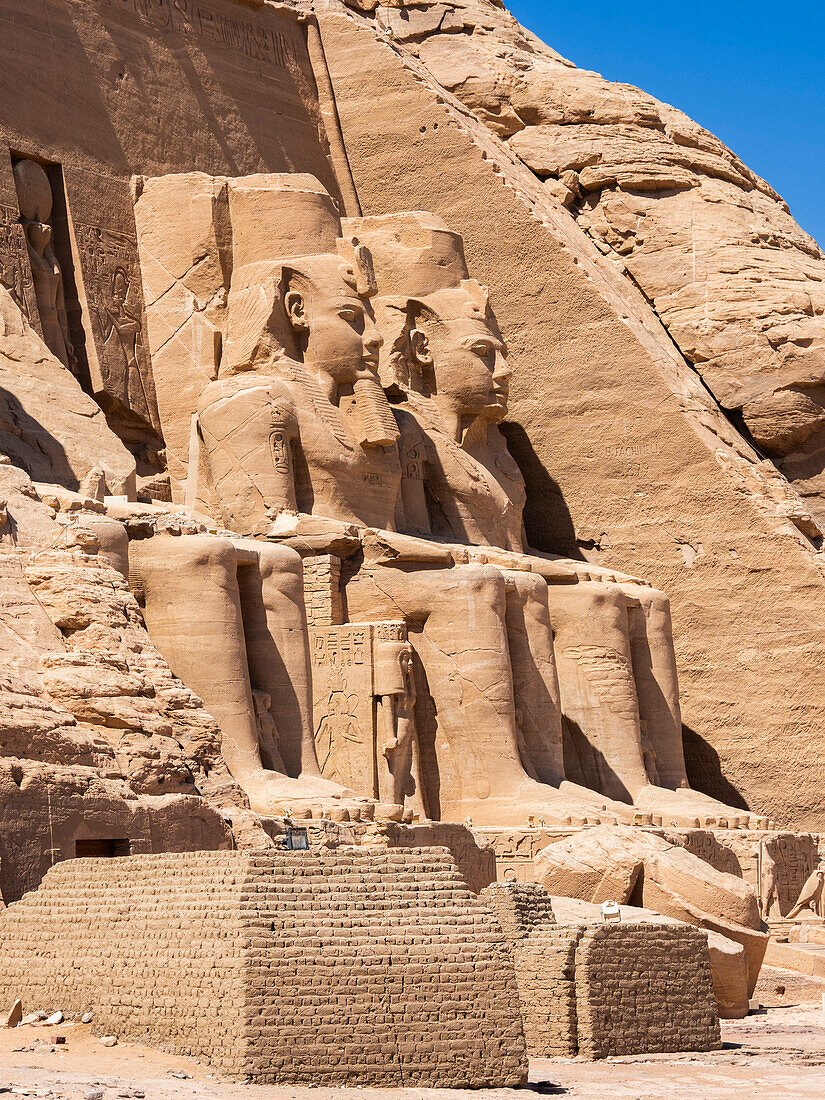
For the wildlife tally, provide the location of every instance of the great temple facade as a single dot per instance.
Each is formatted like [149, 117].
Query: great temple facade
[361, 474]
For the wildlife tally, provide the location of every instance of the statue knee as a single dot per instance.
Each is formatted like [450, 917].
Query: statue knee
[207, 552]
[166, 553]
[598, 597]
[112, 539]
[279, 561]
[483, 580]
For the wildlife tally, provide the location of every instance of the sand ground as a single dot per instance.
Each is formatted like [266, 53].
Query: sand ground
[778, 1054]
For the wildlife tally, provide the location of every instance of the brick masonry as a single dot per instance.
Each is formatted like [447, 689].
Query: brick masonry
[605, 989]
[336, 968]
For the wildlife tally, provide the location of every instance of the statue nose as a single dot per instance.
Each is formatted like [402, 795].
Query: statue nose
[502, 372]
[372, 337]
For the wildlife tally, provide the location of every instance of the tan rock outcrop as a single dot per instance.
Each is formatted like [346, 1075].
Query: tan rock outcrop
[48, 425]
[644, 869]
[734, 279]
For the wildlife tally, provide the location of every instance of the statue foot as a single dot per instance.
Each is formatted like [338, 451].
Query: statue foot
[686, 808]
[272, 794]
[533, 804]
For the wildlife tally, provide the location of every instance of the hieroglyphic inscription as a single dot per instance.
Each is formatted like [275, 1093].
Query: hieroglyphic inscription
[341, 647]
[15, 273]
[390, 631]
[111, 276]
[196, 18]
[516, 849]
[606, 674]
[706, 846]
[344, 717]
[786, 862]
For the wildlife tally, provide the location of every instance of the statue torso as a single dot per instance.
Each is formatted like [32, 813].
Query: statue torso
[335, 476]
[468, 500]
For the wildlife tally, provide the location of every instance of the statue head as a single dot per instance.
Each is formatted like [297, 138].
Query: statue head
[34, 192]
[456, 354]
[326, 303]
[298, 290]
[442, 340]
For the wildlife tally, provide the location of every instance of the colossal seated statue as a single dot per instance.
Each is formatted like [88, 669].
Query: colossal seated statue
[294, 442]
[297, 432]
[445, 362]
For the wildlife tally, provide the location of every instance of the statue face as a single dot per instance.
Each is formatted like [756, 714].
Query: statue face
[336, 325]
[465, 355]
[39, 234]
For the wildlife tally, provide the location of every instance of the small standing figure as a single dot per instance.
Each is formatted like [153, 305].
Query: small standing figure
[268, 739]
[34, 197]
[122, 324]
[811, 894]
[398, 780]
[343, 750]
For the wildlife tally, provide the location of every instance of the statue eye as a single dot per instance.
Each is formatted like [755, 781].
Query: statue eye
[350, 315]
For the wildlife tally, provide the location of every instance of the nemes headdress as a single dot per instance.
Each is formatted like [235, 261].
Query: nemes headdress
[419, 265]
[283, 226]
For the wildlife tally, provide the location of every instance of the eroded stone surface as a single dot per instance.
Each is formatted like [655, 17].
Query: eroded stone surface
[715, 250]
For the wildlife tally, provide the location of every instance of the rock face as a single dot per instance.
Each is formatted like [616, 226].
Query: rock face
[48, 425]
[736, 282]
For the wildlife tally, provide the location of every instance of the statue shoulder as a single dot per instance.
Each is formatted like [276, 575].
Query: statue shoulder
[248, 388]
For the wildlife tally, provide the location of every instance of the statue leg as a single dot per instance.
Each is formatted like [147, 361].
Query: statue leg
[457, 623]
[277, 646]
[188, 586]
[189, 592]
[657, 684]
[535, 680]
[598, 694]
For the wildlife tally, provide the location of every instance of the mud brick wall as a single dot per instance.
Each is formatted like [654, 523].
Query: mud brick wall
[520, 907]
[153, 945]
[544, 955]
[545, 963]
[351, 967]
[644, 989]
[603, 989]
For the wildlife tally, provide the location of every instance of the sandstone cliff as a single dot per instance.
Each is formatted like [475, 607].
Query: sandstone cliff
[737, 283]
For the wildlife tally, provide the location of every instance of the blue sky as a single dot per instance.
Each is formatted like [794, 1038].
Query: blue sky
[752, 73]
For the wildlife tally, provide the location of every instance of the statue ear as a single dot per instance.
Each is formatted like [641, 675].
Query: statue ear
[420, 348]
[295, 306]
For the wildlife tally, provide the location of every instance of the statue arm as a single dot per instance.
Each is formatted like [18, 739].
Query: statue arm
[411, 514]
[248, 427]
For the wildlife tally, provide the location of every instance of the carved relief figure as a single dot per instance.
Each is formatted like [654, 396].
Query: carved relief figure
[34, 196]
[121, 326]
[12, 258]
[812, 895]
[344, 749]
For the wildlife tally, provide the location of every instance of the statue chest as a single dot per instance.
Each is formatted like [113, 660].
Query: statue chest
[340, 477]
